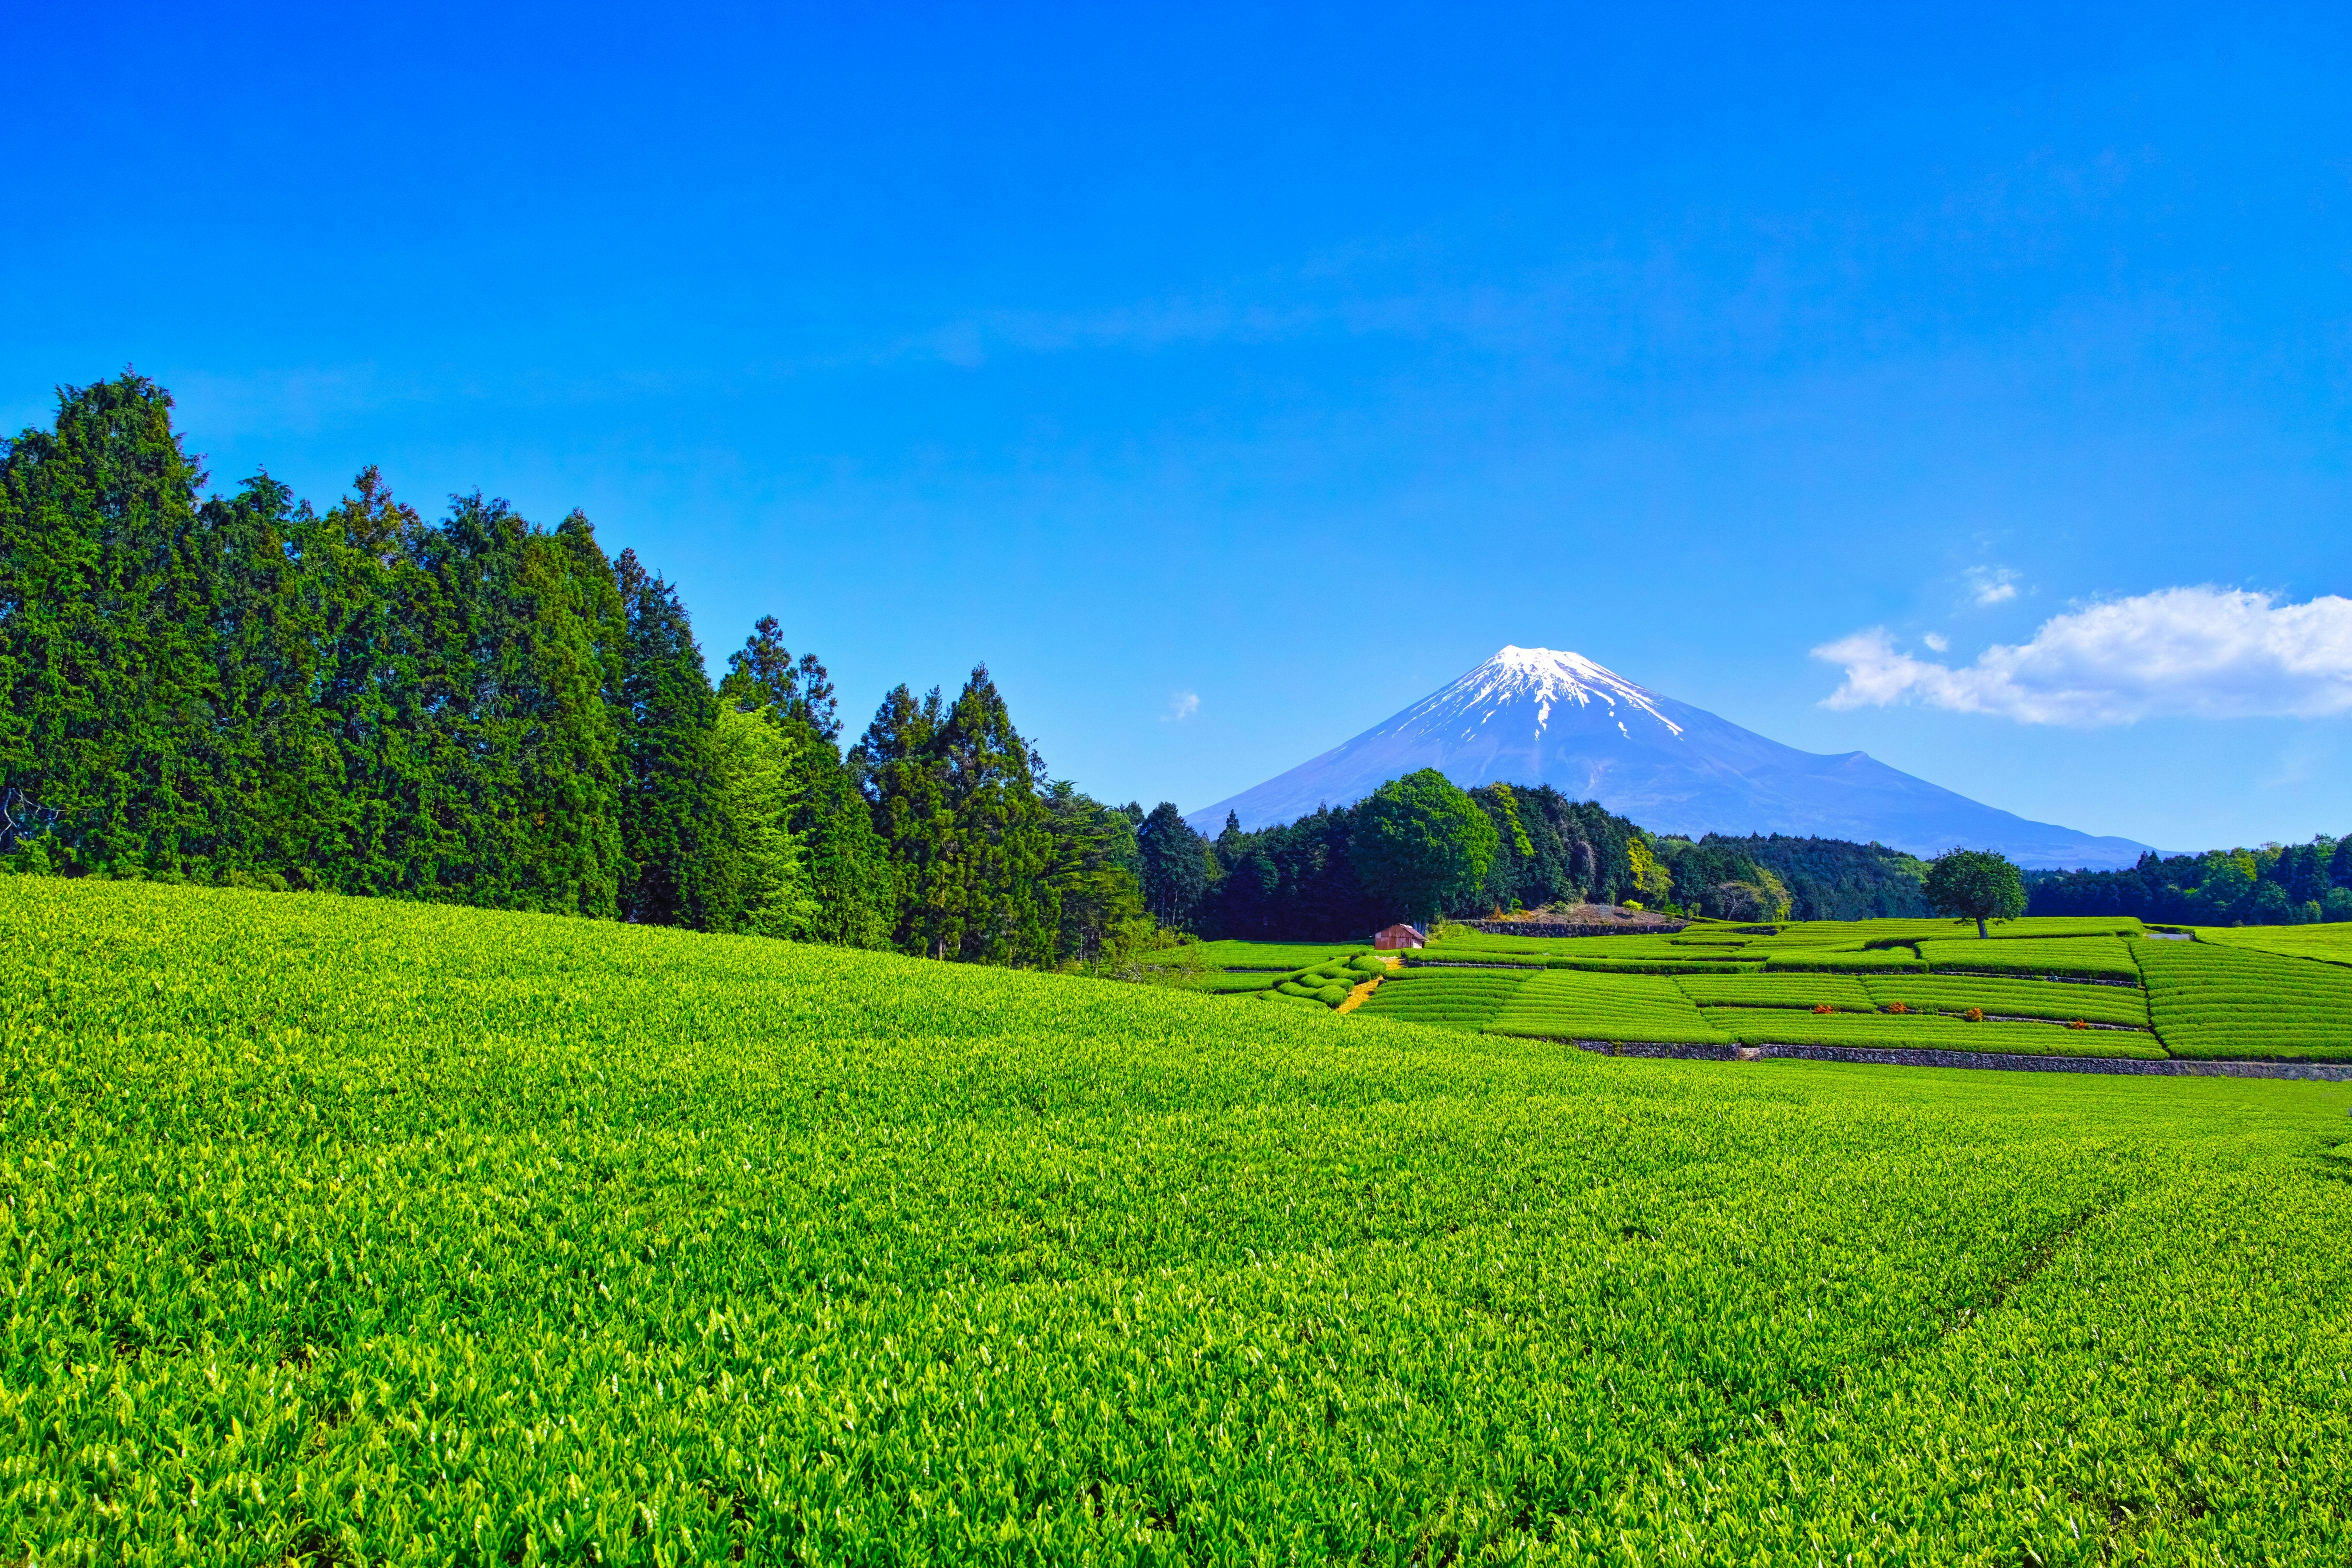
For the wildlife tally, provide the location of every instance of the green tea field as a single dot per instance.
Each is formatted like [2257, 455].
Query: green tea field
[2063, 987]
[347, 1231]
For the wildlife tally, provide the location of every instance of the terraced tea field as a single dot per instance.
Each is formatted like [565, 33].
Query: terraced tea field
[1572, 1004]
[362, 1231]
[2040, 987]
[2207, 999]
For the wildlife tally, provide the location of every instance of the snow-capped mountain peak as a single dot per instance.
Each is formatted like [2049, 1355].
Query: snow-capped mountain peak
[1544, 677]
[1539, 716]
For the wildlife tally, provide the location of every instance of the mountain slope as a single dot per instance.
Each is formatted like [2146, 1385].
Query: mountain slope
[1535, 716]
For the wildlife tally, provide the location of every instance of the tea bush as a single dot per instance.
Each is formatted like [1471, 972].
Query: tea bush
[1456, 999]
[2092, 957]
[1568, 1004]
[2330, 943]
[2016, 998]
[1274, 955]
[1778, 991]
[1870, 961]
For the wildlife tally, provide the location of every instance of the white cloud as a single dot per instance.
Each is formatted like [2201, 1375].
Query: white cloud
[1991, 584]
[2202, 653]
[1181, 706]
[1938, 642]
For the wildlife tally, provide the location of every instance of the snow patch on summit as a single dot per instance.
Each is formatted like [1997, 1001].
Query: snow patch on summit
[1542, 676]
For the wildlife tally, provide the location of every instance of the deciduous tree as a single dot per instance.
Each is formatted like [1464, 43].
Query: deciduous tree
[1420, 844]
[1975, 884]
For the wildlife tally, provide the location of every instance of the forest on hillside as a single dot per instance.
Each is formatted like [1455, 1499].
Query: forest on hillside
[247, 690]
[1305, 878]
[2275, 884]
[243, 690]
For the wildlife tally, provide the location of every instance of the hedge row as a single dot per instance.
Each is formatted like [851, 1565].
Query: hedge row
[1872, 961]
[2023, 998]
[1839, 990]
[2091, 957]
[1655, 967]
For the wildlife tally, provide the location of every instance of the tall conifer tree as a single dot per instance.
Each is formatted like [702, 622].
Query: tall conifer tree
[768, 881]
[1002, 846]
[105, 630]
[590, 655]
[1175, 866]
[269, 751]
[671, 814]
[851, 889]
[1091, 873]
[905, 780]
[363, 583]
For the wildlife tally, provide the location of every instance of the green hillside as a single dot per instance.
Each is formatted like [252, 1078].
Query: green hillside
[364, 1231]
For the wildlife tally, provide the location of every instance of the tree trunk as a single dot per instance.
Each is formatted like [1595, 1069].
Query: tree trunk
[1981, 933]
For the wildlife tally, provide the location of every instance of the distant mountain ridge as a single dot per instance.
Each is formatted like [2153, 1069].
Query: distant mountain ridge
[1537, 716]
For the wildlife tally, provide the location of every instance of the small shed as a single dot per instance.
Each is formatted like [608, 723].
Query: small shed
[1399, 936]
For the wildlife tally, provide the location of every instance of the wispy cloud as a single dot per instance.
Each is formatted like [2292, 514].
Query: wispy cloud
[1938, 642]
[1991, 584]
[2204, 652]
[1180, 707]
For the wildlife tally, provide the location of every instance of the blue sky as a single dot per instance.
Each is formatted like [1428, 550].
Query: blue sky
[1228, 379]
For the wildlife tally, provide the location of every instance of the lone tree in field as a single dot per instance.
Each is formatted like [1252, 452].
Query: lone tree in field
[1418, 844]
[1976, 884]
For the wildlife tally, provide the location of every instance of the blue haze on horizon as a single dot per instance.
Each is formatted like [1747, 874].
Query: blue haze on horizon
[1229, 379]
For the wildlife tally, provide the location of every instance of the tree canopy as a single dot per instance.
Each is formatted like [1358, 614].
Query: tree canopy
[1975, 884]
[1420, 843]
[1175, 863]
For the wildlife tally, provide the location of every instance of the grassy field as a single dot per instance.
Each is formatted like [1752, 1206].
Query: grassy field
[348, 1231]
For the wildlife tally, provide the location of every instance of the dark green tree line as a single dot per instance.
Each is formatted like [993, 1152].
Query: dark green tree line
[2273, 884]
[1315, 879]
[990, 862]
[478, 710]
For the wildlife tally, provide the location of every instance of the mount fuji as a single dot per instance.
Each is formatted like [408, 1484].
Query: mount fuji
[1531, 716]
